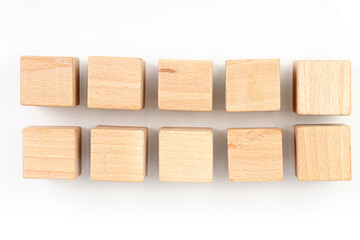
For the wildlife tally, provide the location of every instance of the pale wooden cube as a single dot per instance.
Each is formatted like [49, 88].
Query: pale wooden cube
[185, 85]
[322, 87]
[119, 153]
[116, 83]
[52, 152]
[253, 85]
[186, 154]
[323, 152]
[255, 154]
[49, 81]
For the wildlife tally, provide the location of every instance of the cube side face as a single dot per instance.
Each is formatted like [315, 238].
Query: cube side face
[323, 152]
[295, 88]
[76, 81]
[185, 85]
[119, 154]
[116, 83]
[323, 87]
[186, 155]
[78, 155]
[255, 154]
[49, 81]
[253, 85]
[51, 152]
[142, 85]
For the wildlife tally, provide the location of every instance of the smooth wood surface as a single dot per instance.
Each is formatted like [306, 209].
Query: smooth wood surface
[322, 87]
[323, 152]
[186, 155]
[185, 85]
[116, 83]
[253, 85]
[119, 153]
[52, 152]
[255, 154]
[49, 81]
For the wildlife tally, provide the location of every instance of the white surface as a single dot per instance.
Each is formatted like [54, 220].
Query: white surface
[55, 209]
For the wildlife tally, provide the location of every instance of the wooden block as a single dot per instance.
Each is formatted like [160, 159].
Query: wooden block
[322, 152]
[185, 85]
[253, 85]
[322, 87]
[255, 154]
[49, 81]
[51, 152]
[116, 83]
[119, 153]
[186, 155]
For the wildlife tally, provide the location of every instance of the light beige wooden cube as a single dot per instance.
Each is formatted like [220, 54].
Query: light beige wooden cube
[186, 155]
[116, 83]
[119, 153]
[322, 152]
[185, 85]
[322, 87]
[253, 85]
[255, 154]
[52, 152]
[49, 81]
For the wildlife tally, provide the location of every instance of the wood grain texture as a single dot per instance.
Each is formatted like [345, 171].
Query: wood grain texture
[322, 87]
[119, 153]
[116, 83]
[185, 85]
[49, 81]
[255, 154]
[186, 155]
[322, 152]
[253, 85]
[52, 152]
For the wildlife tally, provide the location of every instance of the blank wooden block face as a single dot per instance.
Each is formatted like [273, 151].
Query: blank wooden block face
[116, 83]
[253, 85]
[322, 87]
[51, 152]
[186, 154]
[119, 153]
[49, 81]
[185, 85]
[322, 152]
[255, 154]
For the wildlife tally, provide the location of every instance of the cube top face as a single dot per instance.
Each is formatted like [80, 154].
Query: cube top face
[253, 85]
[116, 83]
[255, 154]
[323, 152]
[51, 152]
[119, 153]
[49, 81]
[322, 87]
[186, 155]
[185, 85]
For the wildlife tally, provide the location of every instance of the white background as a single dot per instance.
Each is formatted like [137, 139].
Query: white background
[218, 30]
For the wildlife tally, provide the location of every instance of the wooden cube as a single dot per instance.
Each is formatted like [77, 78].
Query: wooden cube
[185, 85]
[186, 155]
[116, 83]
[49, 81]
[253, 85]
[119, 153]
[255, 154]
[51, 152]
[322, 87]
[322, 152]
